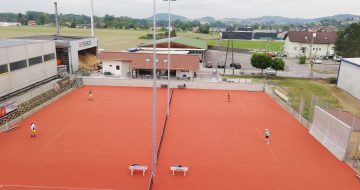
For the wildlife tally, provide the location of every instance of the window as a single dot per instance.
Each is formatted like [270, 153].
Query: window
[35, 60]
[110, 65]
[184, 71]
[117, 67]
[49, 57]
[18, 65]
[295, 48]
[314, 49]
[319, 49]
[3, 69]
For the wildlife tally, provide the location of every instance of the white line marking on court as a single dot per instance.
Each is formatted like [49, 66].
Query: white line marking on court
[241, 106]
[269, 147]
[56, 137]
[50, 187]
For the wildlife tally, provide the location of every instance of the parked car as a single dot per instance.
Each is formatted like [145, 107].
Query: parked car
[270, 71]
[317, 61]
[236, 65]
[337, 59]
[221, 64]
[208, 64]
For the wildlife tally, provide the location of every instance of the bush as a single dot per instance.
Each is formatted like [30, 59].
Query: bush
[278, 64]
[332, 80]
[302, 60]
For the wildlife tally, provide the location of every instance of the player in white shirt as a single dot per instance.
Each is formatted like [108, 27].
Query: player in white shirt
[267, 136]
[33, 130]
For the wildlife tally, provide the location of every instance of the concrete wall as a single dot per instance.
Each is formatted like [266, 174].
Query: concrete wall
[109, 81]
[349, 79]
[17, 79]
[293, 49]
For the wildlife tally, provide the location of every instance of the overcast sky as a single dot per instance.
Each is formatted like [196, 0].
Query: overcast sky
[193, 8]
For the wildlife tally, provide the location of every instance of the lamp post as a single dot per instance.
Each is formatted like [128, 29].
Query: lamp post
[310, 56]
[92, 19]
[154, 155]
[169, 59]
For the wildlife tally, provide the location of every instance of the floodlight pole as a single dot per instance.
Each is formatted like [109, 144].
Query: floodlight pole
[169, 59]
[154, 155]
[92, 18]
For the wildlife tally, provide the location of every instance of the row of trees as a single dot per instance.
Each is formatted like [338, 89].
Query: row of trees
[263, 61]
[348, 41]
[108, 21]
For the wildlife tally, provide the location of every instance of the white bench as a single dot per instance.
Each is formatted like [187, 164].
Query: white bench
[179, 169]
[133, 168]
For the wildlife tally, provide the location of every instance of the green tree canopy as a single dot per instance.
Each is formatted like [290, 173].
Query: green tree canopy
[261, 61]
[348, 41]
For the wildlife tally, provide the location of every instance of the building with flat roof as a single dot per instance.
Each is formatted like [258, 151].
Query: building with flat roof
[349, 76]
[193, 46]
[25, 62]
[139, 65]
[68, 48]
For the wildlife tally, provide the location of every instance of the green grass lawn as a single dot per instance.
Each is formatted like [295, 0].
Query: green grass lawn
[251, 44]
[109, 39]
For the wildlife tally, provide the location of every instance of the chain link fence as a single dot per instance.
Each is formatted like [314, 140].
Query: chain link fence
[304, 112]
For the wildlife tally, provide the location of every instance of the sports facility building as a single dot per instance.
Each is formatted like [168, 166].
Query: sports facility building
[24, 63]
[178, 45]
[349, 76]
[140, 65]
[70, 48]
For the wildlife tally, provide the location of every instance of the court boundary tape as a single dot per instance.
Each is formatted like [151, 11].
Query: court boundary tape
[52, 187]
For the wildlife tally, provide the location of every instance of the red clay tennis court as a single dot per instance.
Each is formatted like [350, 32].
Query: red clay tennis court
[84, 145]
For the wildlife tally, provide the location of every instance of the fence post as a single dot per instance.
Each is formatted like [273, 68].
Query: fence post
[301, 109]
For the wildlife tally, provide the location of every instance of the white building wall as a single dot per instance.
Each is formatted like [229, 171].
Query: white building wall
[110, 66]
[187, 73]
[17, 79]
[349, 79]
[293, 49]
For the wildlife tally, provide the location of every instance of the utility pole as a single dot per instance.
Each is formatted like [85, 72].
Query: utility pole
[154, 155]
[311, 55]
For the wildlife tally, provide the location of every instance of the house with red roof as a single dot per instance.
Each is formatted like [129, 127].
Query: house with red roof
[140, 65]
[302, 43]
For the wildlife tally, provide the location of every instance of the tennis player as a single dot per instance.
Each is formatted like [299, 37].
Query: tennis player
[90, 95]
[228, 96]
[33, 130]
[267, 136]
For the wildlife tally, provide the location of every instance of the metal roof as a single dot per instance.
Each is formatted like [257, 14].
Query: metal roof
[17, 42]
[195, 43]
[54, 37]
[353, 61]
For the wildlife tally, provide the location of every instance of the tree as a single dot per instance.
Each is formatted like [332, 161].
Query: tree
[278, 64]
[348, 41]
[261, 61]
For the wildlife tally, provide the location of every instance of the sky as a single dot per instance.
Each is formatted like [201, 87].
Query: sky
[192, 8]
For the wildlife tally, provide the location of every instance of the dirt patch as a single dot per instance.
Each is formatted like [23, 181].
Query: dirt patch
[88, 61]
[348, 102]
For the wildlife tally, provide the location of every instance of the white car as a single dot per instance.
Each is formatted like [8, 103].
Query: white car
[317, 61]
[270, 71]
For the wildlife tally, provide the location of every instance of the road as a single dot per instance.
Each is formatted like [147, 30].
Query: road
[327, 69]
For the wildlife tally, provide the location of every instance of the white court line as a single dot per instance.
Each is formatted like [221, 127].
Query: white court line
[51, 187]
[269, 147]
[56, 137]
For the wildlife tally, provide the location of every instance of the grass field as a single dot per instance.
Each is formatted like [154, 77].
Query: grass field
[109, 39]
[251, 44]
